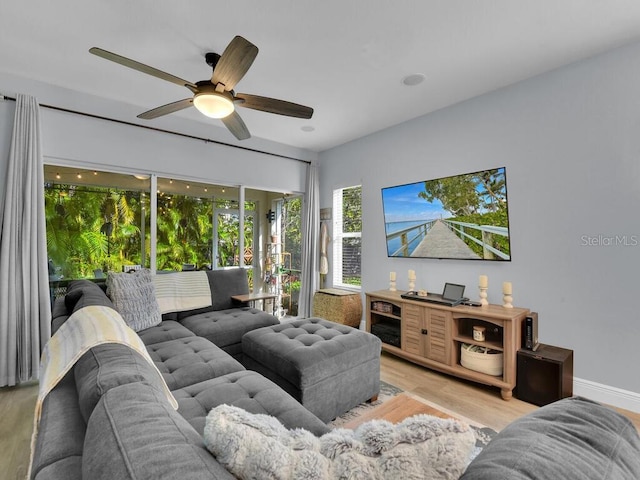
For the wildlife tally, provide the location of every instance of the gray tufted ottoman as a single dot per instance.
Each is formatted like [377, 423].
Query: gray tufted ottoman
[329, 368]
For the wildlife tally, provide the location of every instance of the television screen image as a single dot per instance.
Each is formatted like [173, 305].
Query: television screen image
[458, 217]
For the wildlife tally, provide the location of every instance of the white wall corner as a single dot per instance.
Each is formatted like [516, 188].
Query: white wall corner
[605, 394]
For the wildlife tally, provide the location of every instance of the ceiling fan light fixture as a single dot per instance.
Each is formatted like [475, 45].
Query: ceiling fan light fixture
[213, 104]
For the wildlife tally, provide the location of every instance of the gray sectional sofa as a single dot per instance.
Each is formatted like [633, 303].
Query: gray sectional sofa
[110, 418]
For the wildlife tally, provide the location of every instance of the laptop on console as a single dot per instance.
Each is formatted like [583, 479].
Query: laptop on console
[452, 295]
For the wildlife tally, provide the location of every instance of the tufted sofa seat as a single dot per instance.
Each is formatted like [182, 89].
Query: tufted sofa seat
[226, 327]
[165, 331]
[247, 390]
[328, 367]
[189, 360]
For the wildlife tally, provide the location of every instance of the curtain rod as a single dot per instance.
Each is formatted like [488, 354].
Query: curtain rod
[162, 130]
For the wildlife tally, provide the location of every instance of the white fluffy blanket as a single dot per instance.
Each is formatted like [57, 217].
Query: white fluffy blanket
[254, 446]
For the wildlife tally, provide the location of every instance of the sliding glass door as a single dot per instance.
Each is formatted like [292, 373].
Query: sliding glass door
[101, 221]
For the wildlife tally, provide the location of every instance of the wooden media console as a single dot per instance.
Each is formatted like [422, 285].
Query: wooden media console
[432, 335]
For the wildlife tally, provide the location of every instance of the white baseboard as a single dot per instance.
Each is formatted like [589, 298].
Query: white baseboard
[606, 394]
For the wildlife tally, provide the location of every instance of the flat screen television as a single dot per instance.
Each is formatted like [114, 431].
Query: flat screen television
[459, 217]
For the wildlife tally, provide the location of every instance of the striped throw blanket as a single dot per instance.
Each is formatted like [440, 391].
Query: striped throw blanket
[86, 328]
[181, 291]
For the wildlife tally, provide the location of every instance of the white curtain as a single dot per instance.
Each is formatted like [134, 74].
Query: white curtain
[310, 240]
[25, 308]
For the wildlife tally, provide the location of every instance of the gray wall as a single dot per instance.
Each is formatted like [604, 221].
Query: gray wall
[570, 141]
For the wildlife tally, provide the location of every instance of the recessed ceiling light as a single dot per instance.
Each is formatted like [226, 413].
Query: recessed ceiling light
[413, 79]
[307, 128]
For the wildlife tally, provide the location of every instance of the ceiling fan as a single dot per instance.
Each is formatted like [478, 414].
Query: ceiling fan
[215, 97]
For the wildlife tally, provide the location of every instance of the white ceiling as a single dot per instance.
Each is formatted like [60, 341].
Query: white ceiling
[344, 58]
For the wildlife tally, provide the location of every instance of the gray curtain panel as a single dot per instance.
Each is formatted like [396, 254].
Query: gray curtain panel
[25, 308]
[310, 241]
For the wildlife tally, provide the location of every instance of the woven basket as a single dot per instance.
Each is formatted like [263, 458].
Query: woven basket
[484, 361]
[340, 306]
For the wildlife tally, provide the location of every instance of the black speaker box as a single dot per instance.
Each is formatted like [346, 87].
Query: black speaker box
[544, 375]
[530, 332]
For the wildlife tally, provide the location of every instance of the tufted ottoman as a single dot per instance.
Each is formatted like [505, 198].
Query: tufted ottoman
[329, 368]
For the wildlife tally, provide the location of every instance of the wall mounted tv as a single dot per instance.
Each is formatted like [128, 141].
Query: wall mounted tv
[459, 217]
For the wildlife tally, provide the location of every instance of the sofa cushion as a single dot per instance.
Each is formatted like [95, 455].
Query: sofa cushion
[163, 332]
[107, 366]
[250, 391]
[60, 439]
[226, 327]
[59, 314]
[189, 360]
[135, 434]
[224, 284]
[81, 293]
[573, 438]
[133, 296]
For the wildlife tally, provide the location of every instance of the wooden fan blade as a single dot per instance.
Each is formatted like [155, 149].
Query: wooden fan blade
[166, 109]
[273, 105]
[236, 125]
[234, 62]
[141, 67]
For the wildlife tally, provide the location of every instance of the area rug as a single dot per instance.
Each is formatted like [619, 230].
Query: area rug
[394, 405]
[387, 392]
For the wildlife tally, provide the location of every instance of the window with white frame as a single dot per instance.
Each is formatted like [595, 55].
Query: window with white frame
[347, 234]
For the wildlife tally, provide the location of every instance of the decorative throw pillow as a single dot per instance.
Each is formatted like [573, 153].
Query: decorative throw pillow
[134, 297]
[258, 446]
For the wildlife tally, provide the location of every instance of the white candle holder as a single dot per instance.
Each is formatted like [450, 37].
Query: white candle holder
[392, 285]
[483, 296]
[506, 301]
[412, 285]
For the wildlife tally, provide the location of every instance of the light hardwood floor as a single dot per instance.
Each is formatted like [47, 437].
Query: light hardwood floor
[17, 405]
[476, 402]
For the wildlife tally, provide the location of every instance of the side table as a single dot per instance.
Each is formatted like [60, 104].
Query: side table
[253, 297]
[339, 306]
